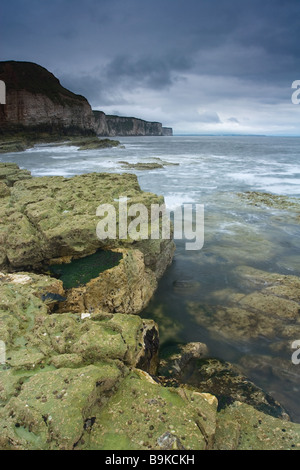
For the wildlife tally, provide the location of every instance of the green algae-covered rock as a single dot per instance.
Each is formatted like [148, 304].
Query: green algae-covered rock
[52, 407]
[17, 145]
[34, 338]
[69, 382]
[21, 304]
[240, 427]
[59, 366]
[92, 143]
[4, 190]
[69, 379]
[270, 200]
[60, 214]
[126, 288]
[143, 415]
[10, 173]
[10, 384]
[53, 220]
[143, 166]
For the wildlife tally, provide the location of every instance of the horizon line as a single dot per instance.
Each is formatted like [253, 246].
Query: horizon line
[233, 135]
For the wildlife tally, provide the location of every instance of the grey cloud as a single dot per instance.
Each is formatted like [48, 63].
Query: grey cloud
[209, 117]
[97, 91]
[233, 119]
[175, 56]
[146, 70]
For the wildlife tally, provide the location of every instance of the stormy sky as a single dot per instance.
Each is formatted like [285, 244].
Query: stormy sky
[199, 66]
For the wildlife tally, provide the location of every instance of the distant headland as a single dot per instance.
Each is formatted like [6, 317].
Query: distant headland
[36, 103]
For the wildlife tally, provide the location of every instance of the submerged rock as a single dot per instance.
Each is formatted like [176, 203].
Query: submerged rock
[186, 285]
[227, 383]
[177, 358]
[142, 166]
[158, 164]
[191, 365]
[270, 200]
[269, 310]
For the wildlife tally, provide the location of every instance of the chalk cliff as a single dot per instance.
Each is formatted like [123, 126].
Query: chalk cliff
[36, 101]
[110, 125]
[167, 131]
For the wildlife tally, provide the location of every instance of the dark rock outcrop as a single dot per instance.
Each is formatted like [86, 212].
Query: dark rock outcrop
[36, 102]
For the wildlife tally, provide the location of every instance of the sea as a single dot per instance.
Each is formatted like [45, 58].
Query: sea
[241, 233]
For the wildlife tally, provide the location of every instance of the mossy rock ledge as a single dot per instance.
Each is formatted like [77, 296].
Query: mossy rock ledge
[52, 220]
[79, 366]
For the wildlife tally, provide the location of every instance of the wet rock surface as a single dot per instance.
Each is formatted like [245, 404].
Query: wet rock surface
[156, 165]
[143, 415]
[263, 311]
[270, 200]
[74, 381]
[240, 427]
[52, 220]
[270, 309]
[191, 365]
[82, 369]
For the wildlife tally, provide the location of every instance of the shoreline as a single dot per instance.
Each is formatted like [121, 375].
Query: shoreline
[25, 141]
[108, 347]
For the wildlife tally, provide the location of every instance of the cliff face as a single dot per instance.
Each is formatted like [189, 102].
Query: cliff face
[167, 131]
[100, 123]
[132, 126]
[110, 125]
[36, 100]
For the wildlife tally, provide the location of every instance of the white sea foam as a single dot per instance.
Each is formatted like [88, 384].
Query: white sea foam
[206, 164]
[52, 149]
[173, 201]
[52, 172]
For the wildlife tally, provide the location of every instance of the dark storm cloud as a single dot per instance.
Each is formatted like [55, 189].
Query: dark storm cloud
[110, 50]
[111, 28]
[147, 70]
